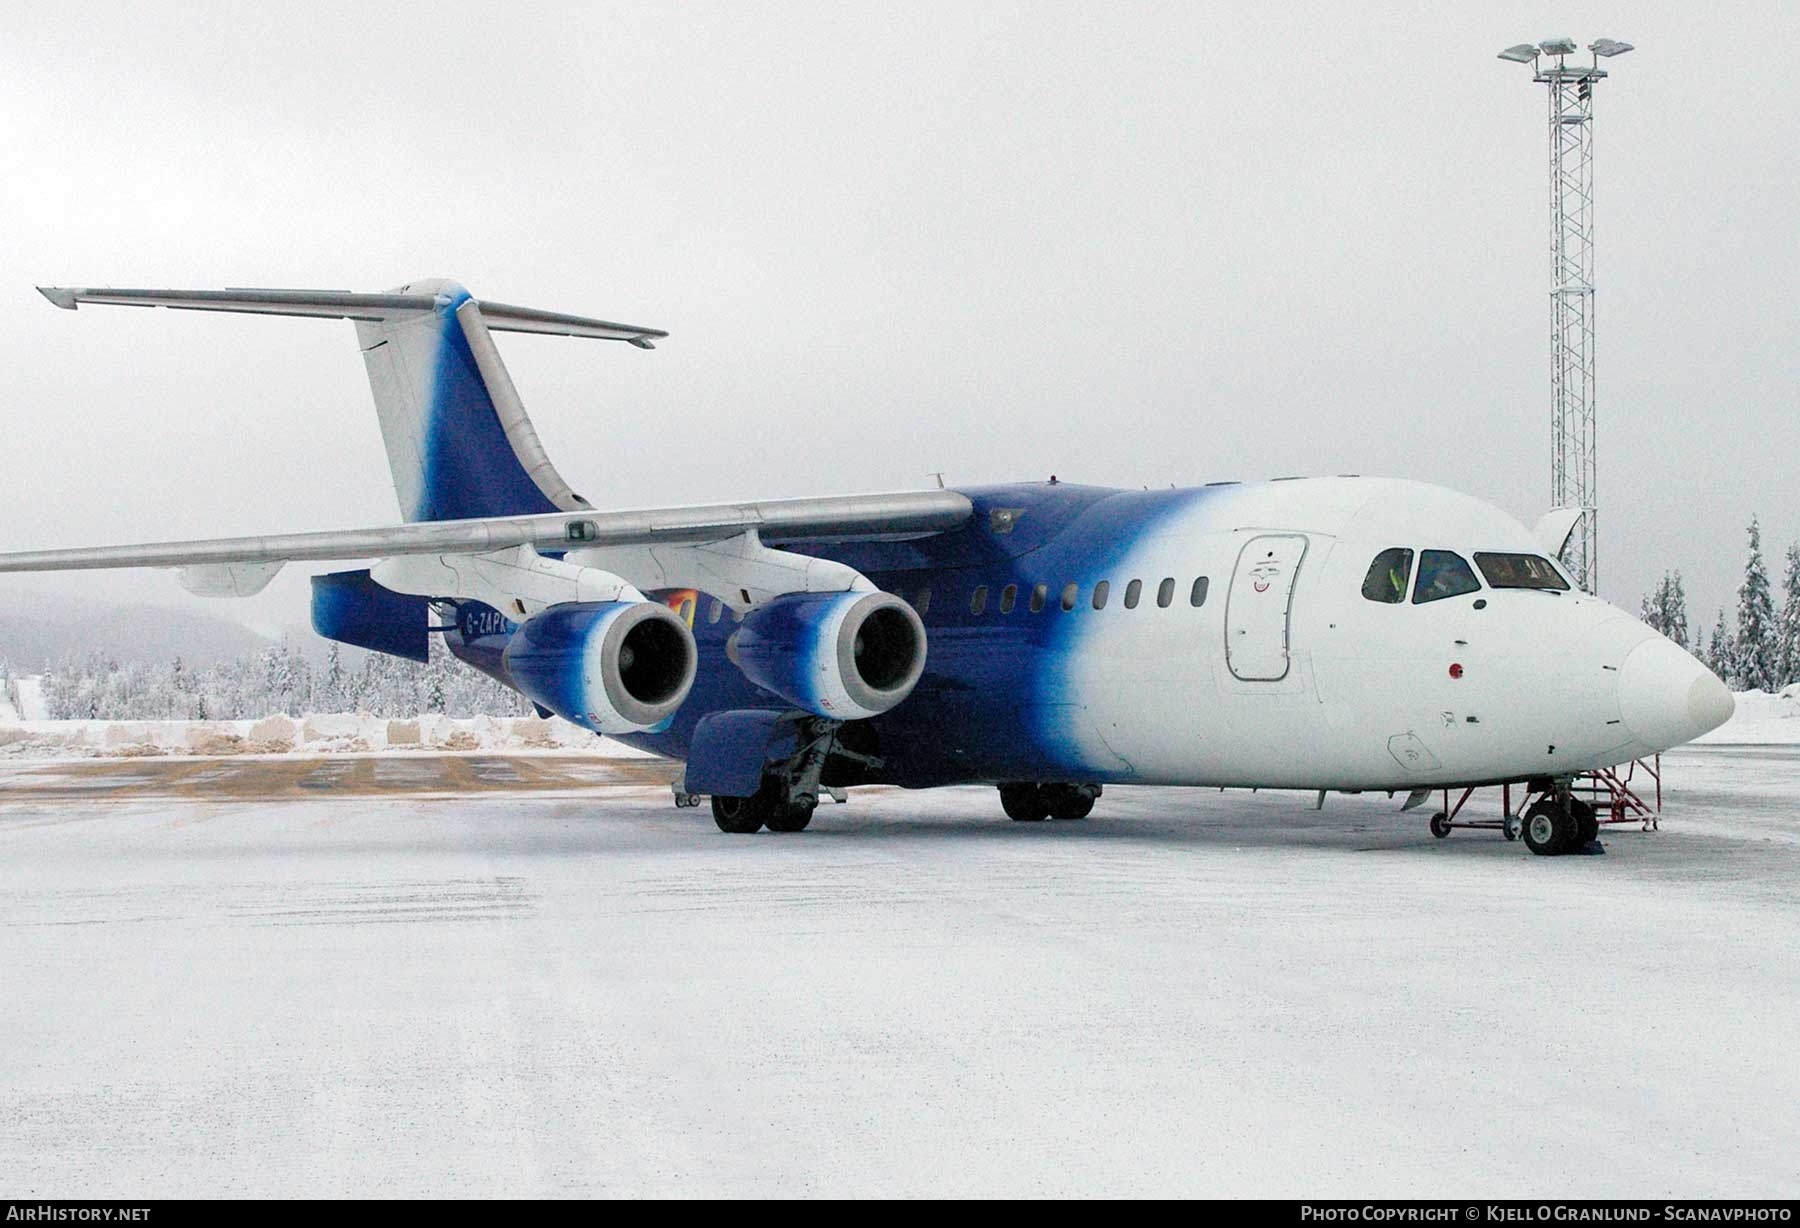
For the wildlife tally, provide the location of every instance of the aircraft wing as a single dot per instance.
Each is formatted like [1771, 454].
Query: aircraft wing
[842, 516]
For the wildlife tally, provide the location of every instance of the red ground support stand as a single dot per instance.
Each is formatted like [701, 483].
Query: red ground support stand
[1508, 824]
[1613, 798]
[1612, 792]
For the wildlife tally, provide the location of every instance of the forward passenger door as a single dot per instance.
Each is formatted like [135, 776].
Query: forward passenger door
[1259, 607]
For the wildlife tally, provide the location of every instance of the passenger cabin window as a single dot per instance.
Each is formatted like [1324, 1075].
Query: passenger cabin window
[1443, 573]
[1520, 571]
[1069, 594]
[1009, 597]
[1133, 591]
[1197, 596]
[1037, 597]
[1100, 594]
[718, 610]
[923, 603]
[978, 599]
[1165, 593]
[1386, 581]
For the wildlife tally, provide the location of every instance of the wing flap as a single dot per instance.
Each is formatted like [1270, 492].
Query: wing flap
[921, 511]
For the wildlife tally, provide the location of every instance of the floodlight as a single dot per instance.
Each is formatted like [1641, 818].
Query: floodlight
[1573, 442]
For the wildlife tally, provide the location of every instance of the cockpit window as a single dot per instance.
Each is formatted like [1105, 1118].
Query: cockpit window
[1386, 581]
[1520, 571]
[1443, 573]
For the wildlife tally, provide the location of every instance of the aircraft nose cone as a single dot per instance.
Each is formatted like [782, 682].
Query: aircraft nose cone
[1666, 697]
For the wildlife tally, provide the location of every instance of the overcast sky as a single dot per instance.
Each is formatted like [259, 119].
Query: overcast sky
[1135, 244]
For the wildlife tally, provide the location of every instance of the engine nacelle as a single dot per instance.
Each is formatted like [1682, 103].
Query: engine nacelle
[609, 666]
[845, 656]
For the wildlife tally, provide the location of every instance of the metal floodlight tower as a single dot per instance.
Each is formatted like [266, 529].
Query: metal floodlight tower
[1572, 440]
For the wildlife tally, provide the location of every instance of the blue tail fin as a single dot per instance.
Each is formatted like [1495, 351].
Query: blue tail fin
[458, 441]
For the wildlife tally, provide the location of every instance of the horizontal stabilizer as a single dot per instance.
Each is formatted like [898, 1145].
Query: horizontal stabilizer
[343, 305]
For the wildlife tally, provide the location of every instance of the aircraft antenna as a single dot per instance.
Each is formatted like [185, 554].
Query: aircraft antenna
[1572, 388]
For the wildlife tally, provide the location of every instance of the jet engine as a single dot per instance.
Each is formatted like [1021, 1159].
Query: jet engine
[609, 666]
[843, 656]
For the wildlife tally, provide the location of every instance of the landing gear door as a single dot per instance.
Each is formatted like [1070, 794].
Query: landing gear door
[1258, 609]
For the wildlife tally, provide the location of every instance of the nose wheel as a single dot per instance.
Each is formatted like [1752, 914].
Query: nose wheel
[1553, 826]
[1548, 828]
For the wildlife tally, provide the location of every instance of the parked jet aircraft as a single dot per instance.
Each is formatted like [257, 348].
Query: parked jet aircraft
[1340, 633]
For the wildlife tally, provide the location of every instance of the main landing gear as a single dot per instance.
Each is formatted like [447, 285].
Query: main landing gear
[767, 807]
[1025, 802]
[790, 790]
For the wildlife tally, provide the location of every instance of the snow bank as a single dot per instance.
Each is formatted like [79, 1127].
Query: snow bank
[313, 734]
[1762, 717]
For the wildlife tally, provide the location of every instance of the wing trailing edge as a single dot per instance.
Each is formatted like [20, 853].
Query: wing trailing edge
[839, 516]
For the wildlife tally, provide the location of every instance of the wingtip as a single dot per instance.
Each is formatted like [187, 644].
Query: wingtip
[60, 296]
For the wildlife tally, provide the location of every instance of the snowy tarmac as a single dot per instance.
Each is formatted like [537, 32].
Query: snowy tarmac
[486, 974]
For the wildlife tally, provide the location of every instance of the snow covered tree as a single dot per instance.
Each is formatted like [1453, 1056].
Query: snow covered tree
[436, 676]
[277, 690]
[329, 692]
[1675, 613]
[1718, 649]
[1787, 625]
[275, 679]
[1754, 652]
[1665, 609]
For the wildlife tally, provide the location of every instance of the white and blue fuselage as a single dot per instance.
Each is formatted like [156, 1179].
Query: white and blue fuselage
[1223, 636]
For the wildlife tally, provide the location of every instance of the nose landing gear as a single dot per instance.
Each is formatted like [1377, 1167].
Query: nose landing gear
[1557, 820]
[1560, 823]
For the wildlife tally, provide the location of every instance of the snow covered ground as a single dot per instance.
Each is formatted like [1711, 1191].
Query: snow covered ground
[490, 973]
[1762, 718]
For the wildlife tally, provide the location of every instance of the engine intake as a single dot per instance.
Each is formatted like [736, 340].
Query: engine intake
[610, 666]
[845, 656]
